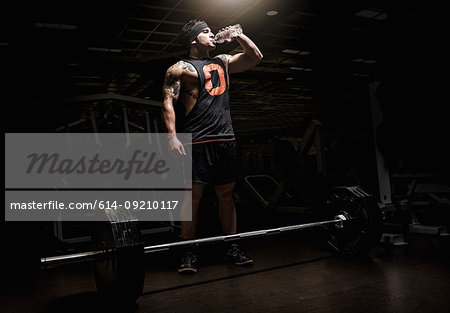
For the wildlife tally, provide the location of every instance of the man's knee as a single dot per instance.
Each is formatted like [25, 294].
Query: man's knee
[224, 192]
[196, 194]
[224, 195]
[226, 199]
[196, 201]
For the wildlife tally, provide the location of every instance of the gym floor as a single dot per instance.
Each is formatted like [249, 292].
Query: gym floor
[295, 272]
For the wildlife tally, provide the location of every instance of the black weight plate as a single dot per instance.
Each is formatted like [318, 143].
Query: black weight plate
[120, 276]
[364, 229]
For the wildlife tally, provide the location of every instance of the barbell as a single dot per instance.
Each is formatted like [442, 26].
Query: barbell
[119, 250]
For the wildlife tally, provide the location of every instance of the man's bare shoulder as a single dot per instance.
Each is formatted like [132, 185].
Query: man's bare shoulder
[224, 57]
[181, 67]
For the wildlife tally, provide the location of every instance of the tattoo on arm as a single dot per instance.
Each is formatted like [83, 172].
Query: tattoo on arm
[186, 66]
[171, 84]
[224, 57]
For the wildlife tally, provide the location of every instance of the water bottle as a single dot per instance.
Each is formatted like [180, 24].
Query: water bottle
[228, 33]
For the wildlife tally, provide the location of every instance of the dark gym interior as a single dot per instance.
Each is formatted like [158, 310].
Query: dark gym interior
[349, 93]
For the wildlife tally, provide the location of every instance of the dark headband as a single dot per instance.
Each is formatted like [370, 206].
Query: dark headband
[196, 29]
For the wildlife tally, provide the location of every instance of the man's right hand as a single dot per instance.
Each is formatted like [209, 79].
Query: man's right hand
[176, 148]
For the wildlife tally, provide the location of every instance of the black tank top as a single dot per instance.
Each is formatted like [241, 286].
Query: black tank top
[210, 118]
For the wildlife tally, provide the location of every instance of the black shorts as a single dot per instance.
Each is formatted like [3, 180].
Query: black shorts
[216, 162]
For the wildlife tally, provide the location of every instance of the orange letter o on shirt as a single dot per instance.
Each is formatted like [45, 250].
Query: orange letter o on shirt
[214, 91]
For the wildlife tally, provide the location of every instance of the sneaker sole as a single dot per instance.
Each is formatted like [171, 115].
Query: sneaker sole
[187, 270]
[244, 263]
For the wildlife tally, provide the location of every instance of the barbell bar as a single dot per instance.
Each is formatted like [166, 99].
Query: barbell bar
[102, 254]
[338, 221]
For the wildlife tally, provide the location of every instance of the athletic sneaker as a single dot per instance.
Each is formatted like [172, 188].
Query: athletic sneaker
[188, 263]
[237, 256]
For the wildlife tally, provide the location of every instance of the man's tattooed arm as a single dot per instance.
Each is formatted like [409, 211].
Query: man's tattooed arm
[186, 66]
[171, 88]
[171, 93]
[225, 58]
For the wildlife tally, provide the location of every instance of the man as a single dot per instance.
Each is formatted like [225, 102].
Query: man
[196, 101]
